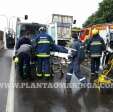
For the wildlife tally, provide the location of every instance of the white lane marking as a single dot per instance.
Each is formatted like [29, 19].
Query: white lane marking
[10, 97]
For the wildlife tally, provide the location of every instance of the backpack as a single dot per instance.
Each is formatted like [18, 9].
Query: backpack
[82, 52]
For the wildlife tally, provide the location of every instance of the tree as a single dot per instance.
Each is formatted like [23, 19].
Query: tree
[103, 15]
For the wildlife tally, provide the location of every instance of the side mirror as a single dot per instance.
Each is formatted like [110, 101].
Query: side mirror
[26, 17]
[74, 22]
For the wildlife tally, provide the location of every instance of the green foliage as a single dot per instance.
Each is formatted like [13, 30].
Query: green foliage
[103, 15]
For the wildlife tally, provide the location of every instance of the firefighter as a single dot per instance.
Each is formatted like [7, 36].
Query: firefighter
[44, 43]
[74, 66]
[95, 47]
[24, 39]
[24, 53]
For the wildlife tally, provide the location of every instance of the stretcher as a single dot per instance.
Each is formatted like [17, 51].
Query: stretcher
[59, 61]
[105, 78]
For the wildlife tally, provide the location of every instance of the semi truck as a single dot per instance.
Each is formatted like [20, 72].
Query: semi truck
[60, 28]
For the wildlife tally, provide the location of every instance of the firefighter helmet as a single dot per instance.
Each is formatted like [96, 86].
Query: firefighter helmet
[42, 29]
[95, 31]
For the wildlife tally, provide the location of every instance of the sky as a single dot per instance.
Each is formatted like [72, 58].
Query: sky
[41, 10]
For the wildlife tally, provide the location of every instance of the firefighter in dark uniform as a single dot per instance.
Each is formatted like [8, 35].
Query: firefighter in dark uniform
[24, 53]
[95, 47]
[74, 66]
[44, 43]
[24, 39]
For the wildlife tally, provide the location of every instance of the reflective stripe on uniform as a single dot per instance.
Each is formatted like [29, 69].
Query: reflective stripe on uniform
[47, 75]
[69, 74]
[96, 72]
[39, 75]
[82, 79]
[96, 43]
[95, 55]
[43, 55]
[92, 73]
[43, 37]
[43, 42]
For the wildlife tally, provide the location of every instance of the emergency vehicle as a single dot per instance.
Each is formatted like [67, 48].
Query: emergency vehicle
[23, 26]
[33, 29]
[105, 31]
[105, 76]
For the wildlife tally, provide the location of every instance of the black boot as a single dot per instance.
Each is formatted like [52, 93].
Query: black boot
[92, 78]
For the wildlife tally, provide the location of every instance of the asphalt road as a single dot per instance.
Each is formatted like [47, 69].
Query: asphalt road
[5, 67]
[49, 99]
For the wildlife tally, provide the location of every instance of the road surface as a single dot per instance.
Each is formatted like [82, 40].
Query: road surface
[47, 99]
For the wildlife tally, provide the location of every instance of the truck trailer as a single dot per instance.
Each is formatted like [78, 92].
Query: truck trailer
[60, 28]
